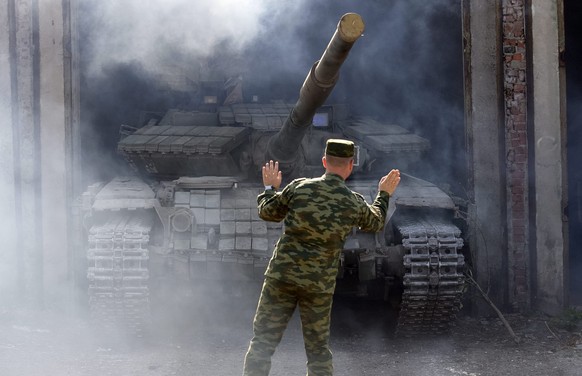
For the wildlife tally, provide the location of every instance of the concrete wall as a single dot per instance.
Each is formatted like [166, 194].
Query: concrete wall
[549, 164]
[54, 142]
[34, 179]
[25, 93]
[484, 119]
[8, 251]
[516, 149]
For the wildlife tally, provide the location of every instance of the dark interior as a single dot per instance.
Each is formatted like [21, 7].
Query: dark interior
[573, 58]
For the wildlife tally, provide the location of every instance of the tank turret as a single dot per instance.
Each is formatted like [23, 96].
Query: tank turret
[320, 81]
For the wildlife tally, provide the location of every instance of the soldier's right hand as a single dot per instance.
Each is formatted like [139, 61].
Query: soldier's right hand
[271, 174]
[389, 182]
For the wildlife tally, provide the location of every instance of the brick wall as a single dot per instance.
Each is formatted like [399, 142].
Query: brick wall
[515, 90]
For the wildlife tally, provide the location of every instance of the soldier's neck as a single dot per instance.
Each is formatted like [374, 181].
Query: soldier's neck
[343, 173]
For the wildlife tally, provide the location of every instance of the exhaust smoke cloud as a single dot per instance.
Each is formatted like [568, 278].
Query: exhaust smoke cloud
[158, 33]
[407, 69]
[8, 270]
[152, 55]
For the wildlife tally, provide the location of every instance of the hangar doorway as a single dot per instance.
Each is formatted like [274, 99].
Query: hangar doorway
[573, 58]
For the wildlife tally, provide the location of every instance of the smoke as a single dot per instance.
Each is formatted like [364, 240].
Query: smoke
[155, 33]
[7, 178]
[138, 55]
[8, 266]
[135, 55]
[407, 69]
[152, 55]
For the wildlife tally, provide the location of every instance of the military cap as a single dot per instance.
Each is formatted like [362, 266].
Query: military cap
[339, 148]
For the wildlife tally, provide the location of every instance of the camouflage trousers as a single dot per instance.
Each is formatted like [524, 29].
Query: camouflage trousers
[276, 306]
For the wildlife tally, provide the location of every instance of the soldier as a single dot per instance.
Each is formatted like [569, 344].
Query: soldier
[319, 214]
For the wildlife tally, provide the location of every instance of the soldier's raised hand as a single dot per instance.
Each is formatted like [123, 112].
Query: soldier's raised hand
[389, 182]
[271, 174]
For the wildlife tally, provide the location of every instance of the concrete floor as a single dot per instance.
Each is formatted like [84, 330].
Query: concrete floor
[210, 336]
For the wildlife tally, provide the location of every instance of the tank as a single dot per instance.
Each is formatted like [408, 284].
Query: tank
[189, 214]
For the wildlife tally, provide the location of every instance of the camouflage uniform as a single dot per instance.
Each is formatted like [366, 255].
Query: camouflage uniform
[319, 214]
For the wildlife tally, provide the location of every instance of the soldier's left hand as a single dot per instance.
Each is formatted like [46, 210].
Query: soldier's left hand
[271, 174]
[390, 182]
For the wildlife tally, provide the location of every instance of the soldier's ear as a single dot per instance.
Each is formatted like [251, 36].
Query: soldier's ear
[324, 162]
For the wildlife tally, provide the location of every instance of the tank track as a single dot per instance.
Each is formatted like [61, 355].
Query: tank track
[118, 272]
[433, 280]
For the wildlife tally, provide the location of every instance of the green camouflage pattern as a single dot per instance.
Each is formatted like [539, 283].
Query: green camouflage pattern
[276, 306]
[339, 148]
[319, 214]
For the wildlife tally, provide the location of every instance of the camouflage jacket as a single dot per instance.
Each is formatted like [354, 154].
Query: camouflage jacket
[319, 214]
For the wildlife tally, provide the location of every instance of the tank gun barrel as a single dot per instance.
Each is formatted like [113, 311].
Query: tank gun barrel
[320, 81]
